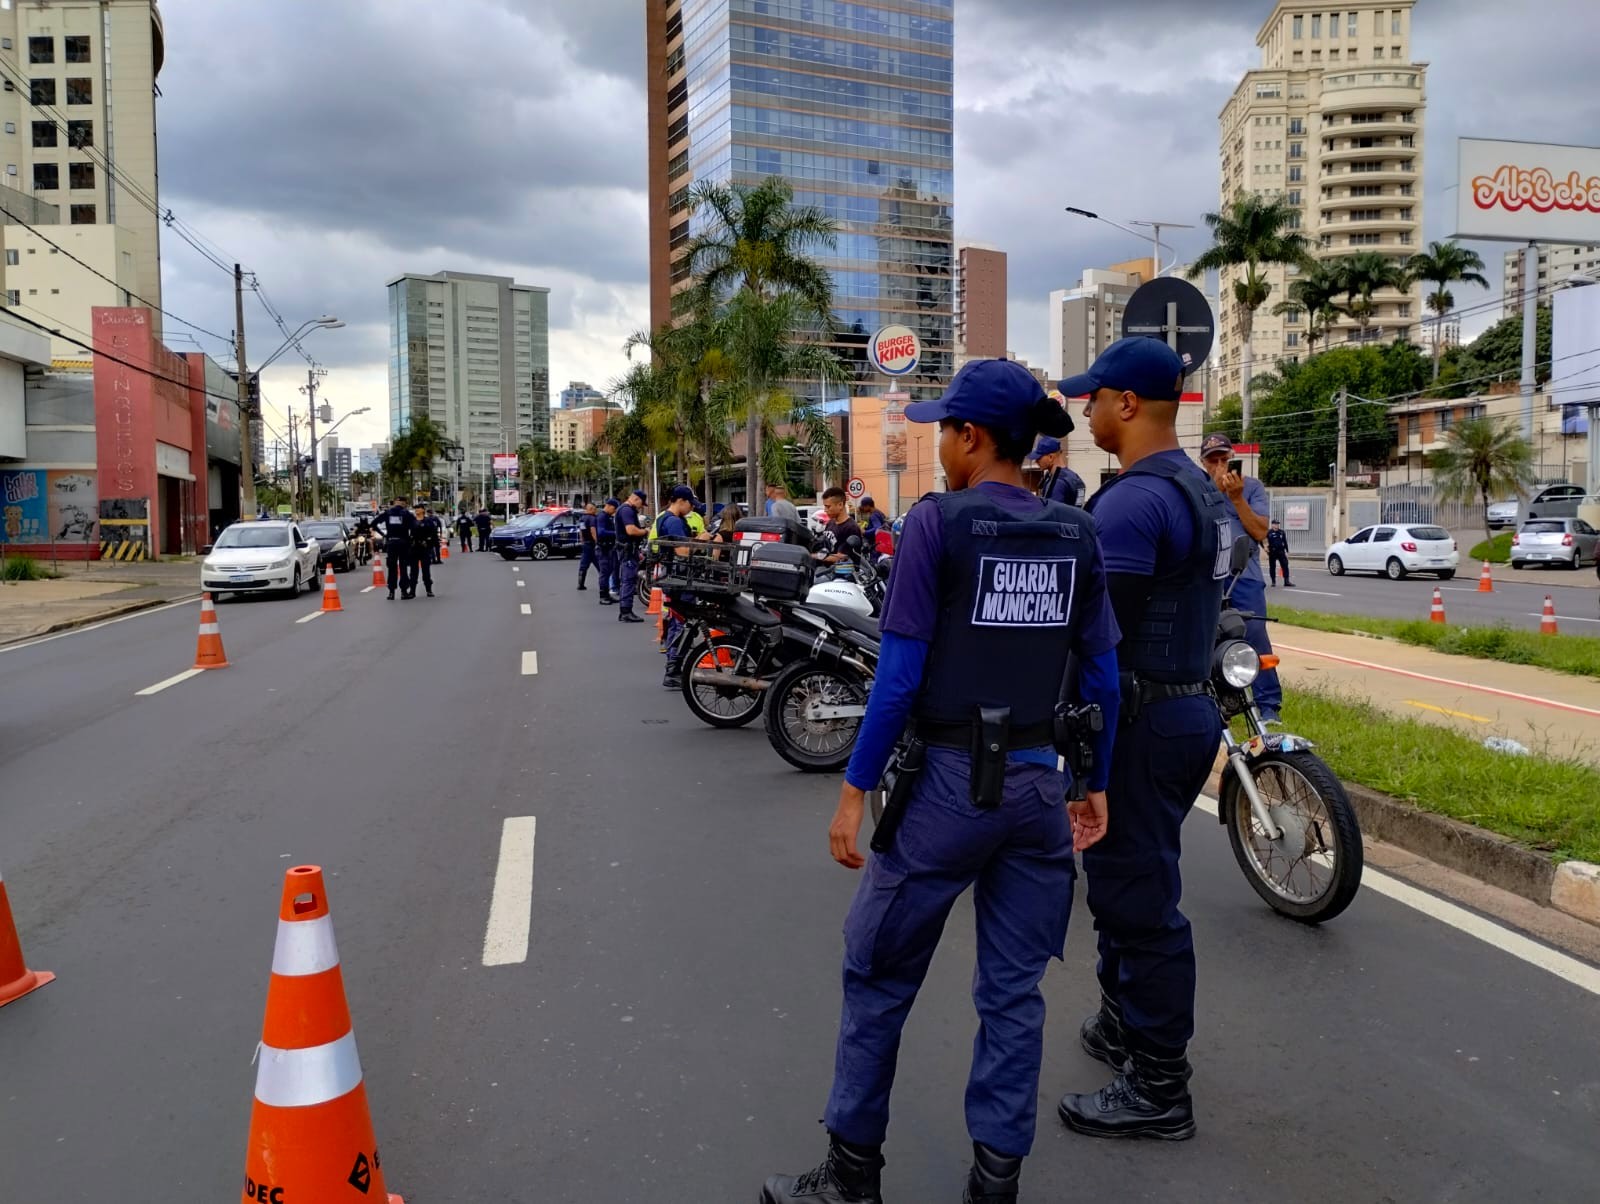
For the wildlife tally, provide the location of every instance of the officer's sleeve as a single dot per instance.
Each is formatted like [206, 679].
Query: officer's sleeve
[1100, 683]
[912, 606]
[894, 689]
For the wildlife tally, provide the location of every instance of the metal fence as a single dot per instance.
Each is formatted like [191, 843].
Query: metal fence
[1305, 521]
[1416, 503]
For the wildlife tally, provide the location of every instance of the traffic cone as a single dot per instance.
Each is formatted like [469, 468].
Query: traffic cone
[1436, 614]
[330, 592]
[208, 653]
[1485, 580]
[655, 602]
[1547, 621]
[310, 1130]
[444, 550]
[16, 980]
[377, 572]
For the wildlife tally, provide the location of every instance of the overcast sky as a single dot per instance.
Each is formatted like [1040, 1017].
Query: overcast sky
[365, 138]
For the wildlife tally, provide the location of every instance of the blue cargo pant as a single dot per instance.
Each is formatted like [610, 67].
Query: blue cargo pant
[628, 575]
[1018, 860]
[586, 560]
[1250, 596]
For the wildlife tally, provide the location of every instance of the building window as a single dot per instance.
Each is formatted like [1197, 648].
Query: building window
[1299, 27]
[80, 133]
[46, 176]
[1292, 317]
[80, 175]
[80, 91]
[1394, 52]
[1299, 57]
[1316, 25]
[1377, 52]
[12, 259]
[44, 133]
[1297, 150]
[83, 215]
[1292, 339]
[13, 296]
[77, 48]
[1316, 56]
[1333, 24]
[41, 50]
[42, 91]
[1405, 311]
[1351, 27]
[1294, 175]
[1377, 23]
[1394, 22]
[1333, 55]
[1297, 125]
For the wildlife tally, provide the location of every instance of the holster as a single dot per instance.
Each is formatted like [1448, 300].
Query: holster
[898, 780]
[991, 737]
[1076, 727]
[1132, 697]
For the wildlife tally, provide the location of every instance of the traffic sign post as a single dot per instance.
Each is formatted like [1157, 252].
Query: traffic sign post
[856, 488]
[1176, 312]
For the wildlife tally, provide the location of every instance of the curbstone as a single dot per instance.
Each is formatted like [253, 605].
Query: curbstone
[1576, 890]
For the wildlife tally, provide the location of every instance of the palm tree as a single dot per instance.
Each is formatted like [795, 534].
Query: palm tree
[1252, 233]
[1441, 265]
[1482, 459]
[1362, 275]
[1315, 293]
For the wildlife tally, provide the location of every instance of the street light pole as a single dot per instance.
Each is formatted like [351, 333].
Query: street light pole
[247, 459]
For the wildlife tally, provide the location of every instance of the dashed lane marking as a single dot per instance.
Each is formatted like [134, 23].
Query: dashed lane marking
[530, 664]
[316, 614]
[171, 681]
[527, 608]
[521, 583]
[505, 941]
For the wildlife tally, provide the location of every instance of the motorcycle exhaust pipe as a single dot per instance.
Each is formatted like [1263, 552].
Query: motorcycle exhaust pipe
[711, 677]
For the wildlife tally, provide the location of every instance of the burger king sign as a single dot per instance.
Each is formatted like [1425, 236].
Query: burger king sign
[895, 351]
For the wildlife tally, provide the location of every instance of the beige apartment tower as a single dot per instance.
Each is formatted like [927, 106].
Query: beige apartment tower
[1557, 262]
[1332, 120]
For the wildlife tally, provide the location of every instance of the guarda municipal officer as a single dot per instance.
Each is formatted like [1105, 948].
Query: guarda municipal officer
[1060, 483]
[605, 548]
[1164, 527]
[629, 536]
[587, 547]
[992, 590]
[422, 553]
[398, 526]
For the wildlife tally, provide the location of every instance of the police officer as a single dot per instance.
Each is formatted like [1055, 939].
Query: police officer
[629, 536]
[1163, 525]
[483, 522]
[1060, 483]
[424, 547]
[993, 590]
[1278, 554]
[464, 530]
[605, 544]
[587, 546]
[398, 525]
[435, 533]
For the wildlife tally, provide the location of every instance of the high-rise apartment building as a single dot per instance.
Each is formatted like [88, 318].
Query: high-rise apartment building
[78, 135]
[1557, 261]
[853, 104]
[1086, 319]
[576, 429]
[335, 468]
[1332, 120]
[371, 458]
[472, 353]
[579, 393]
[980, 308]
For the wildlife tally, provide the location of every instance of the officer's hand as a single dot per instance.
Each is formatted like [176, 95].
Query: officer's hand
[846, 827]
[1088, 816]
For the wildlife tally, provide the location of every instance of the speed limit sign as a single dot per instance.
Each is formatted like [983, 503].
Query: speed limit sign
[856, 487]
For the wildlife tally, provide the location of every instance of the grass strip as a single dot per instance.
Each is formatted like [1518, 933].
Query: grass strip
[1545, 803]
[1578, 655]
[1495, 551]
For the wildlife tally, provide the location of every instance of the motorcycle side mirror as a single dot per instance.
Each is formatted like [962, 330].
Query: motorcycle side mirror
[1243, 548]
[853, 543]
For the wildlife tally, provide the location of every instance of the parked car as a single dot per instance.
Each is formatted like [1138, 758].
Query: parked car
[257, 557]
[1503, 514]
[1555, 501]
[1569, 542]
[538, 536]
[334, 537]
[1396, 550]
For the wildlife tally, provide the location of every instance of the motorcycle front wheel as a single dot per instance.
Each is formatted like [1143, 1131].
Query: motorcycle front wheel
[1312, 870]
[719, 706]
[814, 745]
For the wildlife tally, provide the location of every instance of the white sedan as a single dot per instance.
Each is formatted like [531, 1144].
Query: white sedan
[1396, 550]
[257, 557]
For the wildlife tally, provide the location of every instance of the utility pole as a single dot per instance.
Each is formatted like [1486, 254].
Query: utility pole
[311, 395]
[247, 464]
[1339, 472]
[1530, 334]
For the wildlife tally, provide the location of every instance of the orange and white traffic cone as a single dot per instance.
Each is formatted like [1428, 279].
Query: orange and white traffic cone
[444, 550]
[1436, 614]
[1486, 580]
[330, 592]
[208, 653]
[310, 1129]
[655, 602]
[1547, 621]
[16, 980]
[377, 572]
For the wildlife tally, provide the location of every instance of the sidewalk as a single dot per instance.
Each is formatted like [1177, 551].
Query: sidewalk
[1555, 714]
[90, 591]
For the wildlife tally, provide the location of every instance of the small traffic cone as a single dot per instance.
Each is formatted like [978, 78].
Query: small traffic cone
[444, 550]
[330, 592]
[377, 572]
[208, 653]
[16, 980]
[655, 602]
[1436, 614]
[310, 1129]
[1485, 580]
[1547, 621]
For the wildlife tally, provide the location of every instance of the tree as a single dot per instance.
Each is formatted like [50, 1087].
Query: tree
[1443, 264]
[1360, 276]
[1482, 459]
[414, 451]
[1315, 294]
[1495, 355]
[1253, 233]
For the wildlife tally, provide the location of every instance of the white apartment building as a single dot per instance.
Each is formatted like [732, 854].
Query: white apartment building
[473, 353]
[78, 134]
[1087, 318]
[1333, 120]
[1557, 261]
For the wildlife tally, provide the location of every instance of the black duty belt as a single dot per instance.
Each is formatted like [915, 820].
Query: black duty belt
[1160, 691]
[960, 735]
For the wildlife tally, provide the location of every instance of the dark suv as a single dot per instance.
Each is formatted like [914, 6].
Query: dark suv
[539, 536]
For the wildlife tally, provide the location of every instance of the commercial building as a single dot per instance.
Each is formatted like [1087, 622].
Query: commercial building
[980, 307]
[335, 466]
[578, 393]
[1087, 318]
[78, 134]
[1332, 120]
[853, 104]
[1560, 441]
[472, 353]
[1557, 262]
[574, 430]
[371, 458]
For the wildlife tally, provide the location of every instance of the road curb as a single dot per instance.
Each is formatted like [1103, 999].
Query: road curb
[1576, 890]
[116, 612]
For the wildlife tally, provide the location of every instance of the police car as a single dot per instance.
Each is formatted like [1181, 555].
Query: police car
[538, 536]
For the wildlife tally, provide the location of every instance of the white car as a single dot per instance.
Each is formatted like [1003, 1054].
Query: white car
[1395, 550]
[258, 557]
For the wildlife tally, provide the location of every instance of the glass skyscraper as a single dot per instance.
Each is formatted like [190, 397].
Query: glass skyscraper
[853, 104]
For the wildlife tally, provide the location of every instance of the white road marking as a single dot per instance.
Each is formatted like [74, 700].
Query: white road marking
[516, 568]
[1565, 618]
[1579, 974]
[171, 681]
[61, 635]
[530, 664]
[505, 942]
[1315, 593]
[527, 608]
[369, 589]
[316, 614]
[521, 583]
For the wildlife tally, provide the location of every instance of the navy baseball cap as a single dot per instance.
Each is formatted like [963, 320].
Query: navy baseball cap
[637, 492]
[1215, 443]
[611, 501]
[1000, 394]
[1045, 447]
[1143, 366]
[681, 493]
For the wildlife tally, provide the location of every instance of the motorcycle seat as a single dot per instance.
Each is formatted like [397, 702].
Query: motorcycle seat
[845, 617]
[742, 609]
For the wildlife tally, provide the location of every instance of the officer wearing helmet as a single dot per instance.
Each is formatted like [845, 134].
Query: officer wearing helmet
[993, 590]
[1164, 526]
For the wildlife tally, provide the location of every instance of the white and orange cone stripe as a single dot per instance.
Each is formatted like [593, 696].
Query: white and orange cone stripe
[330, 592]
[310, 1128]
[208, 653]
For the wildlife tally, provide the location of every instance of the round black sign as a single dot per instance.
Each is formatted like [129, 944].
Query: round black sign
[1149, 313]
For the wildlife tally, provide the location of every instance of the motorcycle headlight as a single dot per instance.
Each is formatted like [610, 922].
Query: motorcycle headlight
[1238, 664]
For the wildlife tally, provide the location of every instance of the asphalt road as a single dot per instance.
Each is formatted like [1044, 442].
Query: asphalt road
[1517, 604]
[669, 1035]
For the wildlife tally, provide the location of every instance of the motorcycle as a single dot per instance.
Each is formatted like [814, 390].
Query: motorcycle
[363, 549]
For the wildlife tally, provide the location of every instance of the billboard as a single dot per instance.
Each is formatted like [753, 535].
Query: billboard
[895, 351]
[1575, 350]
[41, 507]
[1527, 192]
[505, 464]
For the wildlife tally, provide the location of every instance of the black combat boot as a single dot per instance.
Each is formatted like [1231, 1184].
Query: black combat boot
[994, 1178]
[1102, 1036]
[1148, 1098]
[849, 1175]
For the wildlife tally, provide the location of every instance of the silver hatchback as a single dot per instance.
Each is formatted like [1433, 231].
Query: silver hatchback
[1569, 542]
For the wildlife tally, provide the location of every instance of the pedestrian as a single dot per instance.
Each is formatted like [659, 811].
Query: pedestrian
[426, 540]
[630, 534]
[674, 524]
[483, 522]
[587, 547]
[869, 518]
[436, 535]
[1162, 524]
[398, 525]
[986, 809]
[1278, 554]
[605, 531]
[841, 527]
[728, 519]
[1248, 508]
[779, 505]
[1060, 483]
[464, 530]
